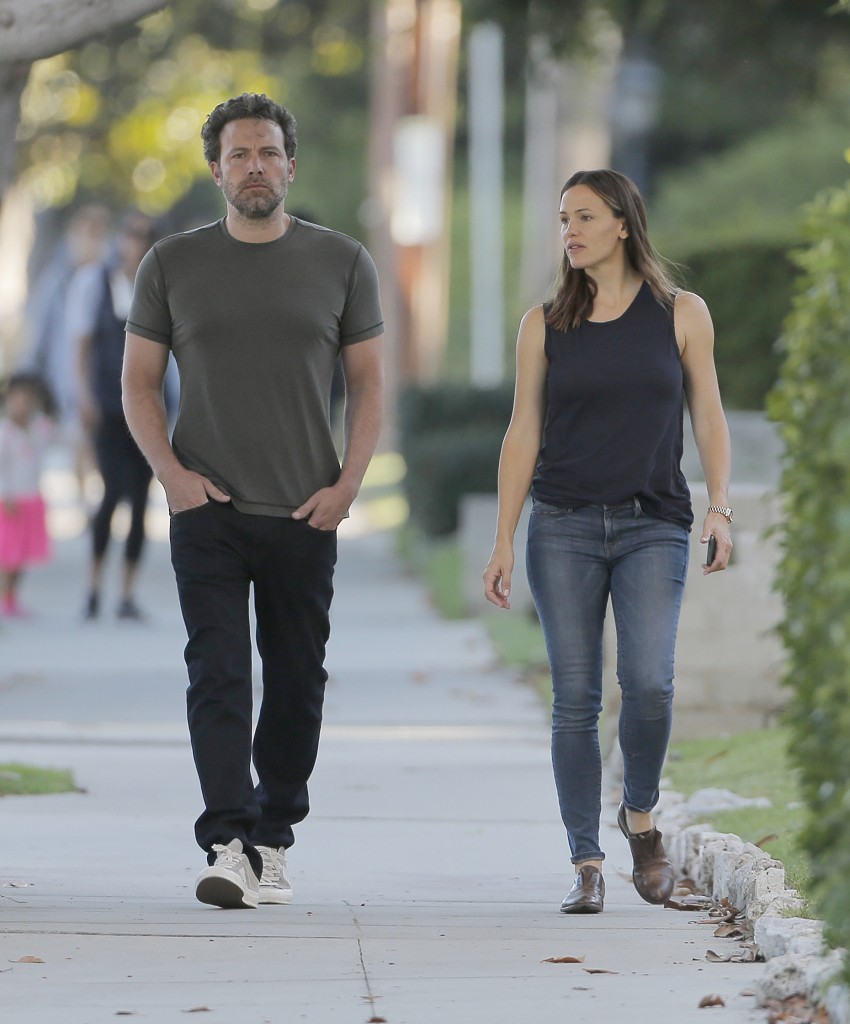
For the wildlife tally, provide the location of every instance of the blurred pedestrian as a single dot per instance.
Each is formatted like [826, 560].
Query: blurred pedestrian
[256, 308]
[49, 350]
[25, 433]
[98, 304]
[596, 435]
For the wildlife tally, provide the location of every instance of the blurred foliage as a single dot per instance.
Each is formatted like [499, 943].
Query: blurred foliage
[450, 437]
[728, 69]
[748, 291]
[811, 402]
[754, 191]
[119, 119]
[730, 219]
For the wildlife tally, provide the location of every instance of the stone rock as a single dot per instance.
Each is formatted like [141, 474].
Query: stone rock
[725, 866]
[784, 976]
[711, 800]
[778, 936]
[824, 974]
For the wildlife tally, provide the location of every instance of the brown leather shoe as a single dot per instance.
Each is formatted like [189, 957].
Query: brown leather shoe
[653, 873]
[587, 894]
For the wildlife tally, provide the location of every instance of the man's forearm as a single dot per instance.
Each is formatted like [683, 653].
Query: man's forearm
[363, 416]
[144, 410]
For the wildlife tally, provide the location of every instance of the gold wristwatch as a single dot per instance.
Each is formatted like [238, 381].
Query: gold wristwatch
[723, 510]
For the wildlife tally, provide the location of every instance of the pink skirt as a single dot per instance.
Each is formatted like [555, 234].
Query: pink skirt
[23, 534]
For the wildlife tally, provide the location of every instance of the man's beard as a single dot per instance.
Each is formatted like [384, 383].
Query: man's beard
[254, 204]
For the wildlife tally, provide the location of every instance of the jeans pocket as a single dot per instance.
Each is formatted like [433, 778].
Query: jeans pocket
[544, 508]
[188, 511]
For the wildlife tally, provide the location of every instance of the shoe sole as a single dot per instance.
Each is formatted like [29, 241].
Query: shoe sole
[217, 891]
[275, 896]
[582, 909]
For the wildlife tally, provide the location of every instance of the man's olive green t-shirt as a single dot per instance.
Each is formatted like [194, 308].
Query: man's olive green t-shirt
[256, 329]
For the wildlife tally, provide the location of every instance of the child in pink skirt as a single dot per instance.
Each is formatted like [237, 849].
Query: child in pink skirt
[24, 435]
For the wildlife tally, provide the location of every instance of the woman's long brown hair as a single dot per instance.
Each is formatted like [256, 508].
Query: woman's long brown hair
[573, 292]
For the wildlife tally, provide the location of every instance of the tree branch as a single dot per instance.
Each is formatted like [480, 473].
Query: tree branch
[32, 29]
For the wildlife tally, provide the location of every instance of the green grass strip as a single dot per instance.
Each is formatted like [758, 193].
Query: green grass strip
[751, 764]
[26, 780]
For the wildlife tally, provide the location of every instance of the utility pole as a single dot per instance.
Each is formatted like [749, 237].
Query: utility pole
[413, 110]
[486, 185]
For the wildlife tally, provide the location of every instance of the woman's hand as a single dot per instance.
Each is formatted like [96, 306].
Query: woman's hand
[497, 576]
[716, 526]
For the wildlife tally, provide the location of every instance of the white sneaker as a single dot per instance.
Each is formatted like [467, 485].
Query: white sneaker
[275, 886]
[230, 882]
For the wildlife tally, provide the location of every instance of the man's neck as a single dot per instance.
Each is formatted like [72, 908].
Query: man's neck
[262, 229]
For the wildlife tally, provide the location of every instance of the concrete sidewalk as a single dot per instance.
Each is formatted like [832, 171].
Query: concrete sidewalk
[427, 878]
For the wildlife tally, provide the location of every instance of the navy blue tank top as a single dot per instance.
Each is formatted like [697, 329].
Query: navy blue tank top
[615, 402]
[107, 352]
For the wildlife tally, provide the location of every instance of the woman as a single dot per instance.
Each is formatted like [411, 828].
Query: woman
[596, 435]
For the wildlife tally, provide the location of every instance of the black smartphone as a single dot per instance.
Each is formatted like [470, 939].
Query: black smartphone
[711, 550]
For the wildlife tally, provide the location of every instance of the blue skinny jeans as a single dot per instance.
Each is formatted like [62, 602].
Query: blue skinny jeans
[576, 559]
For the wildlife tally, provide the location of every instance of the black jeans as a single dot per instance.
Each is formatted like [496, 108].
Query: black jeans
[218, 553]
[126, 474]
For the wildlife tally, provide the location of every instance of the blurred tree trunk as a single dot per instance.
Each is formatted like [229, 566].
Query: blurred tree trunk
[13, 78]
[412, 123]
[32, 29]
[568, 128]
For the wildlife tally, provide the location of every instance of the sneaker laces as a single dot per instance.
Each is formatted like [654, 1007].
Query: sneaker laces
[271, 866]
[227, 858]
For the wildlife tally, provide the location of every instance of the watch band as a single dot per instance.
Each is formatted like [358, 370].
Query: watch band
[723, 510]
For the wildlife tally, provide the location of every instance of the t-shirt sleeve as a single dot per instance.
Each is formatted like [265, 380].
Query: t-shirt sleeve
[362, 317]
[150, 316]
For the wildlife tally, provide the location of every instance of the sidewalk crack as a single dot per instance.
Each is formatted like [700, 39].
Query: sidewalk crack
[370, 998]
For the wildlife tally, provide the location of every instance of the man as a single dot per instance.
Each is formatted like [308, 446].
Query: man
[98, 302]
[256, 309]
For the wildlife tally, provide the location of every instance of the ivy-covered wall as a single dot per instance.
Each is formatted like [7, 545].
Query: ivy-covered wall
[811, 402]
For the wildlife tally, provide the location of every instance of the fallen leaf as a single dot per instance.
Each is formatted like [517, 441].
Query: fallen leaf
[686, 885]
[747, 954]
[794, 1010]
[711, 1001]
[377, 1020]
[725, 909]
[199, 1009]
[692, 902]
[563, 960]
[727, 930]
[599, 970]
[27, 960]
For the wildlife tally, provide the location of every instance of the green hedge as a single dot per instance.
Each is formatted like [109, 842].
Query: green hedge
[748, 290]
[812, 404]
[450, 437]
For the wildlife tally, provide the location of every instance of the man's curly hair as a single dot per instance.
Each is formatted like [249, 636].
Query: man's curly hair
[249, 104]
